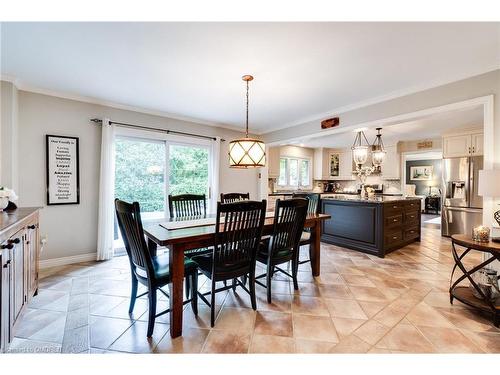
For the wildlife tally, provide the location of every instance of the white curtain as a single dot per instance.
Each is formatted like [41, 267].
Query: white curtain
[106, 218]
[214, 177]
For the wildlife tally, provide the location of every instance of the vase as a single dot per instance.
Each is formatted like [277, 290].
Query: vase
[4, 202]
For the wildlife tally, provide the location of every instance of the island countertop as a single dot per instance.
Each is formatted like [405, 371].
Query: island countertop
[374, 199]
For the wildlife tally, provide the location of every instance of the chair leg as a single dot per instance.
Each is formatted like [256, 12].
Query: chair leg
[269, 276]
[133, 295]
[212, 305]
[152, 310]
[194, 293]
[234, 285]
[252, 290]
[244, 279]
[295, 269]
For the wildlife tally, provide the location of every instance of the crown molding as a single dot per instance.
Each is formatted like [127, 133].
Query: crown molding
[20, 85]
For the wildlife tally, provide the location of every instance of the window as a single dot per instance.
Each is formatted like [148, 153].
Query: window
[295, 173]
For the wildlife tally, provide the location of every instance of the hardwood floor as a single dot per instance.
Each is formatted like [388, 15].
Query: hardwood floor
[359, 304]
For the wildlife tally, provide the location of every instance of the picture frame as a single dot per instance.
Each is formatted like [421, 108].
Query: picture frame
[421, 173]
[334, 164]
[62, 169]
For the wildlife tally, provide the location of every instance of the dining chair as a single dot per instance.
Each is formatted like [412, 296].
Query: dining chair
[234, 197]
[312, 208]
[151, 271]
[238, 231]
[283, 244]
[187, 205]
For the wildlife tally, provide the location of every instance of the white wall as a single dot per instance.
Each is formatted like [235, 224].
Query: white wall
[72, 229]
[8, 135]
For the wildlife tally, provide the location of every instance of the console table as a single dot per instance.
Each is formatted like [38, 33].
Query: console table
[464, 293]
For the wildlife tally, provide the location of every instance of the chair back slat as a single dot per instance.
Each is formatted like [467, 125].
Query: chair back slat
[130, 224]
[237, 236]
[289, 219]
[187, 205]
[314, 198]
[234, 197]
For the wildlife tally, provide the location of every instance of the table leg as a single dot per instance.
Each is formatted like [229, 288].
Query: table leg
[152, 246]
[176, 266]
[315, 248]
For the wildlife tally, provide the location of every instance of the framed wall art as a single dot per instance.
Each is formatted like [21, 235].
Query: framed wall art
[63, 170]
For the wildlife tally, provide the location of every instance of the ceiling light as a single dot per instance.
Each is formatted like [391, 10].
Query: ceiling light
[247, 152]
[378, 150]
[360, 151]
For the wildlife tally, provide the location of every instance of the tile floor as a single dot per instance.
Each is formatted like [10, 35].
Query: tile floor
[359, 304]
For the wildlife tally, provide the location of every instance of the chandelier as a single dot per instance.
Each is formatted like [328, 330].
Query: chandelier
[247, 152]
[360, 154]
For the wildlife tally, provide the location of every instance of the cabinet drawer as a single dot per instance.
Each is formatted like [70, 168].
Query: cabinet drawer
[395, 208]
[412, 206]
[412, 233]
[393, 221]
[393, 238]
[411, 217]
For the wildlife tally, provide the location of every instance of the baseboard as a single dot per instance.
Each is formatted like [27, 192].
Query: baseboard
[47, 263]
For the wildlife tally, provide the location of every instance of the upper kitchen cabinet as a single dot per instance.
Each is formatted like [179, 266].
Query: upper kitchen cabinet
[469, 143]
[332, 164]
[391, 169]
[273, 160]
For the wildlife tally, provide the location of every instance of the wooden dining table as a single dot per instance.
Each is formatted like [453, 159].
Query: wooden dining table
[179, 240]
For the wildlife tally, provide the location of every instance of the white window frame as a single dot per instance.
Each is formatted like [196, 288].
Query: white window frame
[287, 185]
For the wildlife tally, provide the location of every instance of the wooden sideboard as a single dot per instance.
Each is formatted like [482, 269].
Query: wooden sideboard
[19, 253]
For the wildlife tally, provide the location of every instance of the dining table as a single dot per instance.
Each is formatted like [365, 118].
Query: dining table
[180, 235]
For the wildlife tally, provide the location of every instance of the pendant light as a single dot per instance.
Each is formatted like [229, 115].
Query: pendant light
[378, 150]
[360, 151]
[247, 152]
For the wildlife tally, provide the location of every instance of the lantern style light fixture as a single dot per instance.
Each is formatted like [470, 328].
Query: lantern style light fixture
[378, 150]
[247, 152]
[360, 151]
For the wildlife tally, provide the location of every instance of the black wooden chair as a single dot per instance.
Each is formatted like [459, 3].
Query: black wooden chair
[238, 231]
[151, 271]
[312, 208]
[187, 205]
[283, 244]
[234, 197]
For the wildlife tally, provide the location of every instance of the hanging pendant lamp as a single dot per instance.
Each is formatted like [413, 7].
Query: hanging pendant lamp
[247, 152]
[378, 150]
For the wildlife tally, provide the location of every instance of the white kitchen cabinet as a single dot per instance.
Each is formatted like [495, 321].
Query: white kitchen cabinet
[273, 158]
[463, 144]
[391, 169]
[345, 161]
[477, 141]
[457, 146]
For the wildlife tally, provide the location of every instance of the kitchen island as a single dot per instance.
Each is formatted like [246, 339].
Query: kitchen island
[376, 225]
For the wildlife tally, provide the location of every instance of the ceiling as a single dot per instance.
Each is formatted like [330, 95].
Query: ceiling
[423, 128]
[303, 71]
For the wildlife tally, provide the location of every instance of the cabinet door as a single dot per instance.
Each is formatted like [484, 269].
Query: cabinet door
[457, 146]
[477, 144]
[345, 161]
[391, 165]
[5, 279]
[273, 158]
[18, 273]
[32, 241]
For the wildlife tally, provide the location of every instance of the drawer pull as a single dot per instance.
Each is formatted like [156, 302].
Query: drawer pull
[15, 240]
[394, 206]
[395, 220]
[9, 246]
[395, 237]
[32, 226]
[6, 264]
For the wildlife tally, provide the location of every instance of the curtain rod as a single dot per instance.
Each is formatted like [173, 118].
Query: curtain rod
[123, 124]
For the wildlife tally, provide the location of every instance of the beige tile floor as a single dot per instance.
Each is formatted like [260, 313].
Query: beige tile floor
[359, 304]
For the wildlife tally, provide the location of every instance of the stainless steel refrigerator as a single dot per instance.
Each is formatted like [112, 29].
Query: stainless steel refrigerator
[462, 207]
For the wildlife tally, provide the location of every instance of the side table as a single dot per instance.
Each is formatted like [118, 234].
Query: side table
[432, 203]
[464, 293]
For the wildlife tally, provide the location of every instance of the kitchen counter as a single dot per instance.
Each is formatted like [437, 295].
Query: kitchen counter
[375, 199]
[376, 225]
